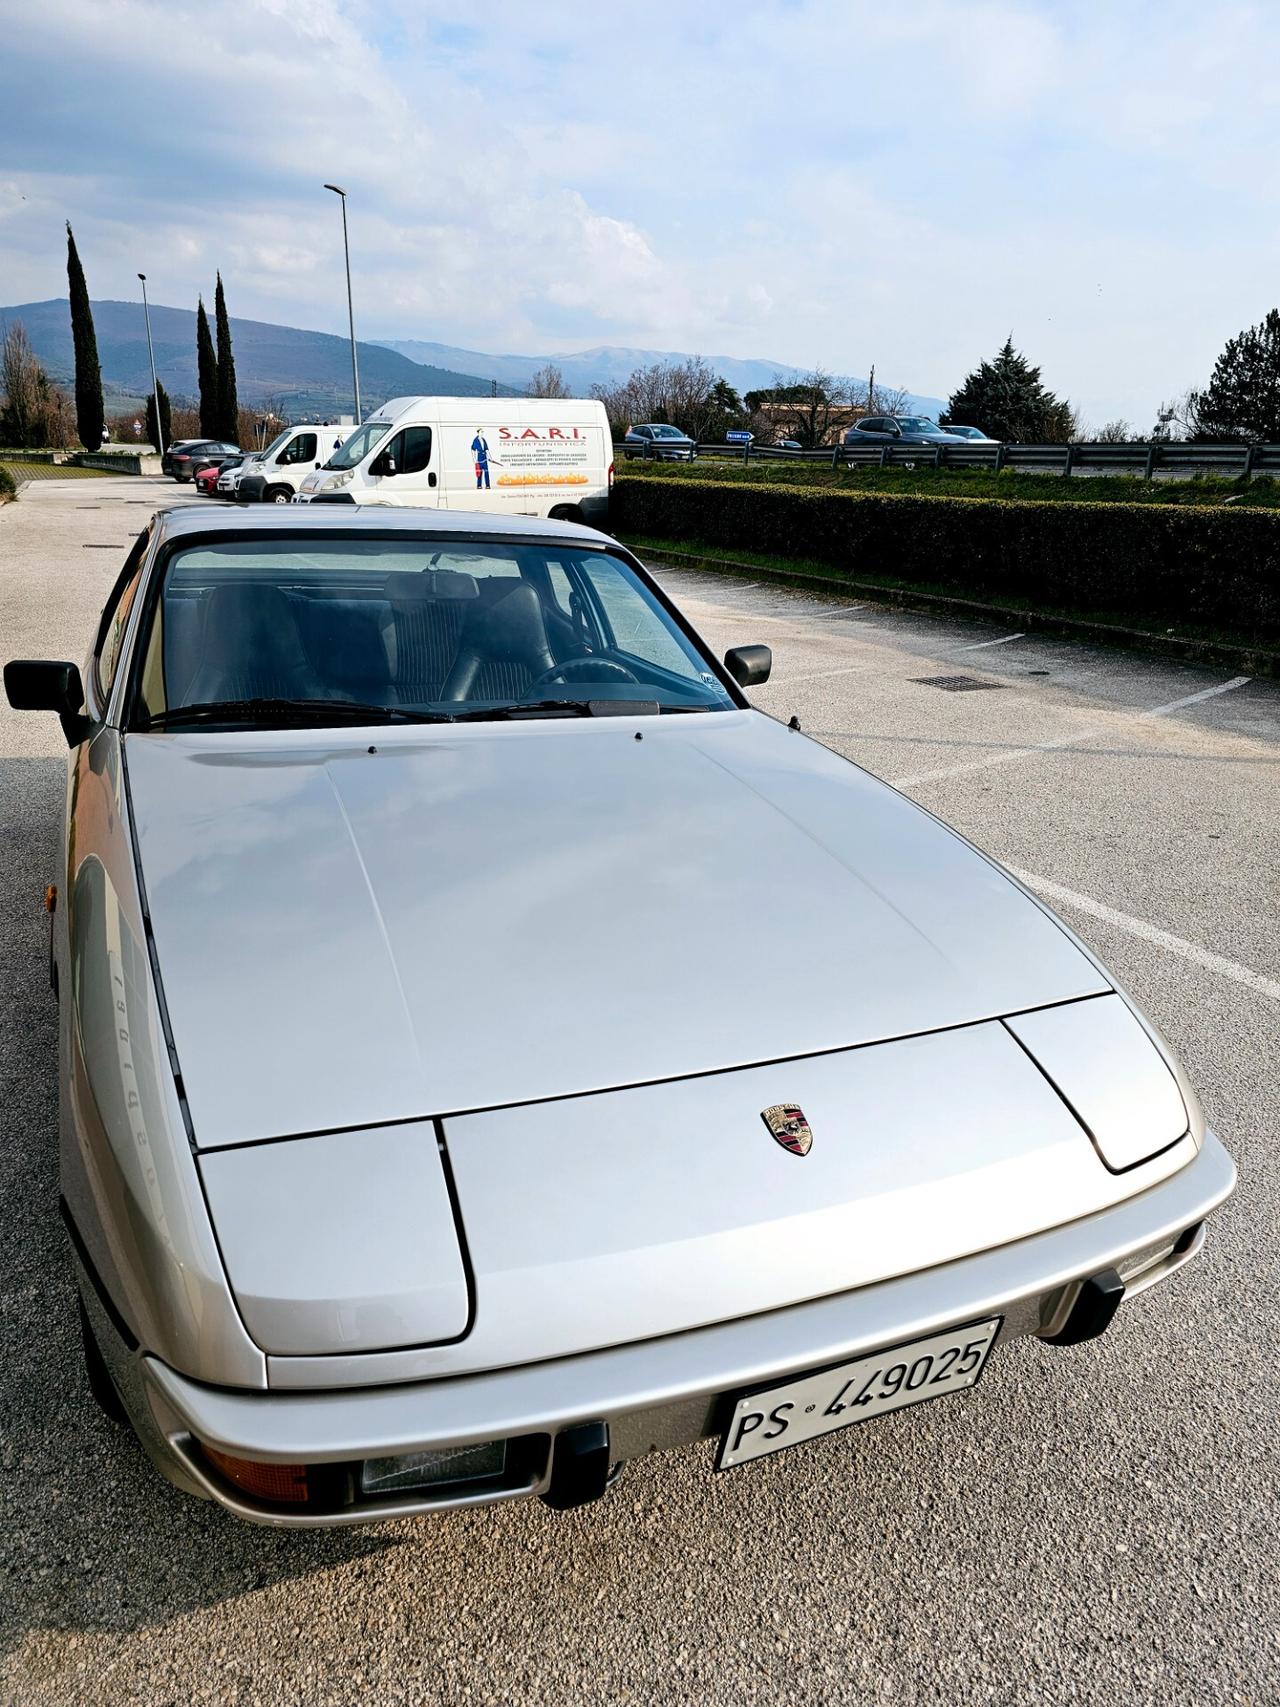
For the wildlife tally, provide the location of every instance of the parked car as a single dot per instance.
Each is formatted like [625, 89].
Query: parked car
[409, 1163]
[185, 459]
[973, 434]
[206, 479]
[520, 456]
[279, 470]
[656, 440]
[897, 429]
[787, 444]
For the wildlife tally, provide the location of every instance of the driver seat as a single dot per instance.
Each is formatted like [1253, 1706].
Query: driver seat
[503, 648]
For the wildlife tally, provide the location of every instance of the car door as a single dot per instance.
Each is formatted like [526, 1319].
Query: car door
[407, 469]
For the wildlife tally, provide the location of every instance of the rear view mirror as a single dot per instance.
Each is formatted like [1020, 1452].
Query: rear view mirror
[749, 665]
[39, 684]
[383, 465]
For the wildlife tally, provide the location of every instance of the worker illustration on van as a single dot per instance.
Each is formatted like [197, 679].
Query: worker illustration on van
[480, 452]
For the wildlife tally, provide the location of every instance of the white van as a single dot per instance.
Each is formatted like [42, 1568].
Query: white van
[504, 456]
[273, 475]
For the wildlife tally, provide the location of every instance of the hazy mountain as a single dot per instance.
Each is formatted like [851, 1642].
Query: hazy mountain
[609, 364]
[308, 371]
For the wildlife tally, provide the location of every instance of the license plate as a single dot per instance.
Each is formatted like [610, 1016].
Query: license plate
[811, 1405]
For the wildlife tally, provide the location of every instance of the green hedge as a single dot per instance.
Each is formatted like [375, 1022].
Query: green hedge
[1211, 567]
[8, 486]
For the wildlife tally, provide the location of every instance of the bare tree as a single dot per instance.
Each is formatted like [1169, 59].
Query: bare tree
[548, 381]
[1117, 432]
[683, 393]
[811, 409]
[35, 412]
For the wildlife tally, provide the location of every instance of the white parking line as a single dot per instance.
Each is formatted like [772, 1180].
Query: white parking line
[981, 644]
[1004, 758]
[816, 676]
[1195, 698]
[1151, 933]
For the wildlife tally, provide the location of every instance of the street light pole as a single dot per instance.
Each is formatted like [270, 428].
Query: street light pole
[155, 389]
[351, 315]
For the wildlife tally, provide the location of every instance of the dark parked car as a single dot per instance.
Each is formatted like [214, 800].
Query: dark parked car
[897, 430]
[657, 439]
[187, 457]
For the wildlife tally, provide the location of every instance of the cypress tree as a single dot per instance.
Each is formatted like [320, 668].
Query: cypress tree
[89, 410]
[228, 404]
[164, 416]
[207, 368]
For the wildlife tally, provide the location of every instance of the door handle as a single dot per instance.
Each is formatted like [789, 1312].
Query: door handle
[431, 480]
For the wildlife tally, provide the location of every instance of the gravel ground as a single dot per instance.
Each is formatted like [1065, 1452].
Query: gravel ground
[1095, 1524]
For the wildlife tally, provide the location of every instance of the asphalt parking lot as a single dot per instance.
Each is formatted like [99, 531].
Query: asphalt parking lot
[1094, 1524]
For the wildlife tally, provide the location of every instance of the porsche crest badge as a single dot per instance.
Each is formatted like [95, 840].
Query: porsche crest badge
[789, 1127]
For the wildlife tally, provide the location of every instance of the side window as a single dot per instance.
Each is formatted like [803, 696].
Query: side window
[303, 449]
[410, 450]
[115, 619]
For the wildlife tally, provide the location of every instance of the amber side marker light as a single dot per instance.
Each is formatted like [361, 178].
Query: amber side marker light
[281, 1484]
[51, 898]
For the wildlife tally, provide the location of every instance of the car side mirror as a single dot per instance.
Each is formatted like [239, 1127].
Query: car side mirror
[749, 665]
[384, 465]
[39, 684]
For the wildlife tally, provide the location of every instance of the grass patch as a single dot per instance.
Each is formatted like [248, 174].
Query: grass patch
[1262, 492]
[50, 471]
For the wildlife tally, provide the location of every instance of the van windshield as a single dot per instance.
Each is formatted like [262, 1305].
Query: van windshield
[275, 444]
[359, 444]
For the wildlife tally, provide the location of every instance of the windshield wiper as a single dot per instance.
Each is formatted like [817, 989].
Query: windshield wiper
[571, 707]
[317, 711]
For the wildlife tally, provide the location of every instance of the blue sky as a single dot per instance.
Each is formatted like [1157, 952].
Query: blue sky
[804, 180]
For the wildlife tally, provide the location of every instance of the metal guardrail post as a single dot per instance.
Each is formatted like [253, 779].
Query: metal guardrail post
[1070, 463]
[1249, 457]
[1153, 457]
[884, 456]
[999, 456]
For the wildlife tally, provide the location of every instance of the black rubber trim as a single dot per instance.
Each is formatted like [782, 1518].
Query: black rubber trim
[113, 1315]
[579, 1466]
[1093, 1311]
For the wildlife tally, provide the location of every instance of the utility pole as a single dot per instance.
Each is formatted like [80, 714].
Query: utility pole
[351, 314]
[155, 389]
[871, 391]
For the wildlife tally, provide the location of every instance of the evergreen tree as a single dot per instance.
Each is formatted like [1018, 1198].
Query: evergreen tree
[1005, 399]
[1242, 399]
[89, 410]
[207, 368]
[228, 403]
[165, 415]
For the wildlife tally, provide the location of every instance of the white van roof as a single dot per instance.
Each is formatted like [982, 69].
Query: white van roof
[454, 409]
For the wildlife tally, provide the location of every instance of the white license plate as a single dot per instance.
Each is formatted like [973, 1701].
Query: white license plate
[811, 1405]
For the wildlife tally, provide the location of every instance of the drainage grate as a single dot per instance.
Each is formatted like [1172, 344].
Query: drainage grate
[955, 684]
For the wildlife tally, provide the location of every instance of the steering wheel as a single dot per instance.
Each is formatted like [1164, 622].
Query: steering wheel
[579, 670]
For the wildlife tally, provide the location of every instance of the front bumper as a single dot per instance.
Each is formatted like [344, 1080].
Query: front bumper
[670, 1391]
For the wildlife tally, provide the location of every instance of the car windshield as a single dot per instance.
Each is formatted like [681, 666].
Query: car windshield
[359, 444]
[916, 424]
[661, 432]
[305, 630]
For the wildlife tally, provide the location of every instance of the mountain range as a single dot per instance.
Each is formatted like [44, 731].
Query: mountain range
[611, 364]
[302, 372]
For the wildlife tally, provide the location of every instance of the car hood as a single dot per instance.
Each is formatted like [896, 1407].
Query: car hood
[364, 927]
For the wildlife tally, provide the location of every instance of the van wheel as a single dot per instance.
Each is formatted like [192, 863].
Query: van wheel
[565, 513]
[278, 494]
[101, 1385]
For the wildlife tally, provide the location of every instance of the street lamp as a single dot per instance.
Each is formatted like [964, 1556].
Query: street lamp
[351, 317]
[155, 389]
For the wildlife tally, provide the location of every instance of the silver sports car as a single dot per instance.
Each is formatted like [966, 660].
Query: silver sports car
[492, 1050]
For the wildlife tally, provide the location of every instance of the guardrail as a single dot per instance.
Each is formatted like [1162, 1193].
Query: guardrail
[1157, 457]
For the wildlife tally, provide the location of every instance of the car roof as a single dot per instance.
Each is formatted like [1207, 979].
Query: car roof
[372, 518]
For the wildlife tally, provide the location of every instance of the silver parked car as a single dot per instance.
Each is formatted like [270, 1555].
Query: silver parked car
[492, 1050]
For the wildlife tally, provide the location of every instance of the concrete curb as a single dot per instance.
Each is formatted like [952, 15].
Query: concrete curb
[1255, 660]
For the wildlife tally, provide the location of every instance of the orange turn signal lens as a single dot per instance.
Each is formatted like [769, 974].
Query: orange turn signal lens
[281, 1484]
[50, 898]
